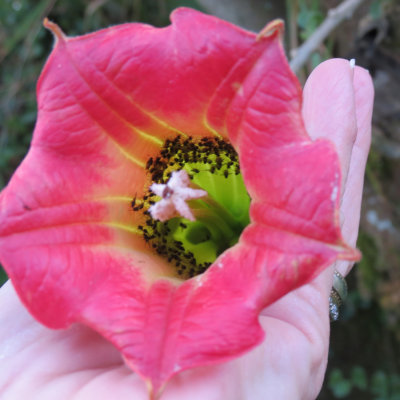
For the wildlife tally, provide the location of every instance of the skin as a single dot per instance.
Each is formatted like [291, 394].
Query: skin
[78, 364]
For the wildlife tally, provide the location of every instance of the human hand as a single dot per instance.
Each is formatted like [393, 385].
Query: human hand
[78, 364]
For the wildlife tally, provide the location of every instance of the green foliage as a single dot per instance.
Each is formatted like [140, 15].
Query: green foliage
[377, 7]
[309, 17]
[378, 386]
[379, 170]
[369, 264]
[339, 385]
[305, 16]
[358, 377]
[3, 277]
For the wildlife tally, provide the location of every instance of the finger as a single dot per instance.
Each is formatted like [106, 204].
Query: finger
[329, 108]
[329, 111]
[352, 195]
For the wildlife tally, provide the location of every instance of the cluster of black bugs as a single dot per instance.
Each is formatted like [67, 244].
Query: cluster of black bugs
[208, 154]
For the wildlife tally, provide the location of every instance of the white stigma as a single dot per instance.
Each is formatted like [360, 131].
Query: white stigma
[174, 195]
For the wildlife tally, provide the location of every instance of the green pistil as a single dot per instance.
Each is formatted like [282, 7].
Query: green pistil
[213, 165]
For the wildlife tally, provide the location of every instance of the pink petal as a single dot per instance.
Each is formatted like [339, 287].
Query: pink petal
[107, 101]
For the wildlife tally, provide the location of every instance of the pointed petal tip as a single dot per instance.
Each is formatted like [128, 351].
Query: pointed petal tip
[276, 26]
[55, 29]
[153, 391]
[350, 254]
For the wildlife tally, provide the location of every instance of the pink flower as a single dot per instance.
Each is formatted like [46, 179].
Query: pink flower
[119, 110]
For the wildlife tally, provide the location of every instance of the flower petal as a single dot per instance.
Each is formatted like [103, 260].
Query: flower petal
[107, 101]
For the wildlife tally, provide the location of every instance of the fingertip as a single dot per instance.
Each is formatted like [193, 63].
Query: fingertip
[329, 107]
[334, 66]
[364, 99]
[363, 81]
[329, 72]
[328, 101]
[352, 196]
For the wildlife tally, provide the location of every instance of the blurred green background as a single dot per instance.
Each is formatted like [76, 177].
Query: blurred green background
[364, 357]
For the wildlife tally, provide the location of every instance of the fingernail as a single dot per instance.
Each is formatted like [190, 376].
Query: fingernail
[352, 63]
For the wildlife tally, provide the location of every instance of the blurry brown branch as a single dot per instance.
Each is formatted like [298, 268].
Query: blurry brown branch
[335, 17]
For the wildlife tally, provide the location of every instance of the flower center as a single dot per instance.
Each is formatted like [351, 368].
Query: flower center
[193, 244]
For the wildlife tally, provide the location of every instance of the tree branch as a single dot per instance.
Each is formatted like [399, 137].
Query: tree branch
[335, 17]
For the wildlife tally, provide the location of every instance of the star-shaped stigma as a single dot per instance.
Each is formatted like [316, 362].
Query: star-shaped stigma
[174, 195]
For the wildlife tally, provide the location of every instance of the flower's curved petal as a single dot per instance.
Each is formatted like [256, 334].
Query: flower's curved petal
[156, 82]
[68, 237]
[296, 189]
[294, 183]
[260, 96]
[176, 328]
[103, 110]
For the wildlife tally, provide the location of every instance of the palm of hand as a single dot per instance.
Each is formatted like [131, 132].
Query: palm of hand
[38, 363]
